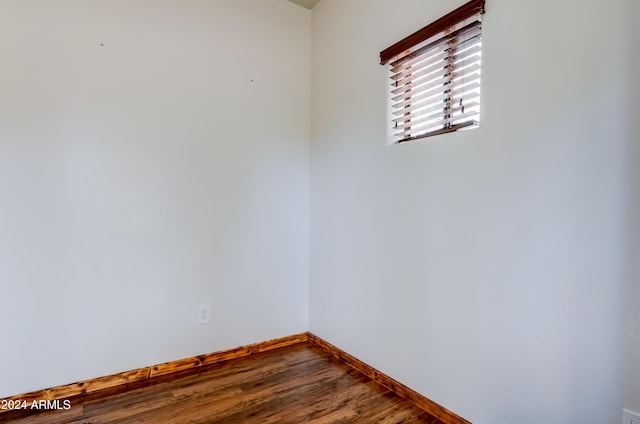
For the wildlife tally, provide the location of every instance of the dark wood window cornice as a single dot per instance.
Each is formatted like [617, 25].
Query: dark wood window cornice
[463, 12]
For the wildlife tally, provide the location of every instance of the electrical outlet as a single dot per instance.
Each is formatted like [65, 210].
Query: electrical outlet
[204, 314]
[630, 417]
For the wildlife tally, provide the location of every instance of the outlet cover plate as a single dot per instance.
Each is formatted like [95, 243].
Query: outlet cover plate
[204, 314]
[630, 417]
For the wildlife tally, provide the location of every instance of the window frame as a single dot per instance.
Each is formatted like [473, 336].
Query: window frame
[443, 33]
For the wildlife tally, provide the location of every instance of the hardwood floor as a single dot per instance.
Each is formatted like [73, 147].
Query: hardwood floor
[297, 384]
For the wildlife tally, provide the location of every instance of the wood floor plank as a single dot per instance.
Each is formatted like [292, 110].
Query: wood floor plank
[291, 385]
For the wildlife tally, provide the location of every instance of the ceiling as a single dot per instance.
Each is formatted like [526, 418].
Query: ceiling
[305, 3]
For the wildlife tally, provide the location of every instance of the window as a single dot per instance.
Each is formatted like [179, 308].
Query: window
[435, 74]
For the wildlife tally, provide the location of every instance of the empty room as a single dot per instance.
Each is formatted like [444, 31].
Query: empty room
[333, 211]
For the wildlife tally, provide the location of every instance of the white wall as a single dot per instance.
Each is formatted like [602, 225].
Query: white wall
[485, 269]
[154, 155]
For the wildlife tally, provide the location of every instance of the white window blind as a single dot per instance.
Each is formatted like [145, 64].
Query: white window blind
[435, 76]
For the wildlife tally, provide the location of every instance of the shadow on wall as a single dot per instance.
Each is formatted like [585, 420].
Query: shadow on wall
[632, 242]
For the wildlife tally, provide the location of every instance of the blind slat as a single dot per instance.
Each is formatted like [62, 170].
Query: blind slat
[438, 62]
[410, 132]
[417, 112]
[419, 119]
[410, 56]
[420, 98]
[433, 57]
[428, 83]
